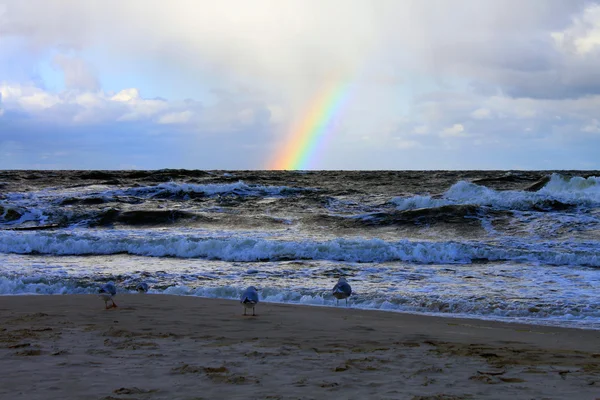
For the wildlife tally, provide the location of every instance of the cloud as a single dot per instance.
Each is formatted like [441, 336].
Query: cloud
[138, 108]
[27, 98]
[592, 127]
[298, 44]
[508, 73]
[407, 144]
[126, 95]
[176, 118]
[77, 73]
[128, 105]
[99, 129]
[78, 129]
[456, 130]
[421, 130]
[69, 107]
[583, 35]
[481, 113]
[559, 134]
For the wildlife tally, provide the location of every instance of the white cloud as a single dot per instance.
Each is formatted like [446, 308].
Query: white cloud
[128, 105]
[126, 95]
[176, 118]
[298, 45]
[81, 107]
[583, 36]
[421, 130]
[143, 109]
[246, 116]
[592, 127]
[77, 73]
[30, 98]
[407, 144]
[456, 130]
[277, 114]
[481, 113]
[89, 99]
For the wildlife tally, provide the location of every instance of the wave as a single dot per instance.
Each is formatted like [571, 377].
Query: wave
[98, 194]
[37, 285]
[559, 193]
[465, 214]
[88, 204]
[247, 248]
[181, 190]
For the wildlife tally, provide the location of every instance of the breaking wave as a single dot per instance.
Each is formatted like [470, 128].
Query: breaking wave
[559, 193]
[248, 248]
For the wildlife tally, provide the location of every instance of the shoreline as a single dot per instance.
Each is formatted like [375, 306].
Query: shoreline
[450, 316]
[155, 346]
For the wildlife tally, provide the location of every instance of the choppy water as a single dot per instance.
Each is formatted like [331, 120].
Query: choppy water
[510, 245]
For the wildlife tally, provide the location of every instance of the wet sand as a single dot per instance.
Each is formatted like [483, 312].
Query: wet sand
[174, 347]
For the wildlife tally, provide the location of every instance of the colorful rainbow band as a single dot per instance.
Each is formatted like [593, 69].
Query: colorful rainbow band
[310, 135]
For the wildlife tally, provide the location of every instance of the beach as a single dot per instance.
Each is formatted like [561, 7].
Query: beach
[185, 347]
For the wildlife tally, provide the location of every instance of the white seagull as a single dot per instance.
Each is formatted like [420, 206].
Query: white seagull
[342, 290]
[106, 293]
[249, 299]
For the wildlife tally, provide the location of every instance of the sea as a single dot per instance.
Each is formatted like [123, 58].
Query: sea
[514, 246]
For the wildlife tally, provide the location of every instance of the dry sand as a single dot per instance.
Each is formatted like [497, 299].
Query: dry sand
[171, 347]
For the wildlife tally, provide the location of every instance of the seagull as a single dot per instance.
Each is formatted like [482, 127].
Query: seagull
[249, 299]
[106, 293]
[342, 290]
[142, 287]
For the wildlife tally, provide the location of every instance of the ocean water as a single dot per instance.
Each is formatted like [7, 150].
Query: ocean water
[520, 246]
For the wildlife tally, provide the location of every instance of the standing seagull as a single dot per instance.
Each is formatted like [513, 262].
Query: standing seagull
[106, 293]
[249, 299]
[342, 290]
[142, 287]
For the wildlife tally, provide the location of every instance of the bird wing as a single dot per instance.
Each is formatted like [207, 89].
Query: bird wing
[342, 287]
[249, 296]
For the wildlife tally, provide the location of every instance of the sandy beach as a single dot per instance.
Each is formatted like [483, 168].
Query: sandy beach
[175, 347]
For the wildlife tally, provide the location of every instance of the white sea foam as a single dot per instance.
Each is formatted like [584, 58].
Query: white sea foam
[576, 185]
[28, 285]
[576, 191]
[419, 201]
[164, 243]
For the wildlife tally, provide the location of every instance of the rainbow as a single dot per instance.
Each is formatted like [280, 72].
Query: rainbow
[312, 132]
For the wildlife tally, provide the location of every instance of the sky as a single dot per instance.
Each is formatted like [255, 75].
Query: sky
[300, 84]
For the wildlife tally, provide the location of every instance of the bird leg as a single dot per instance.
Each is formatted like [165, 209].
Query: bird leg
[113, 303]
[244, 310]
[253, 314]
[106, 305]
